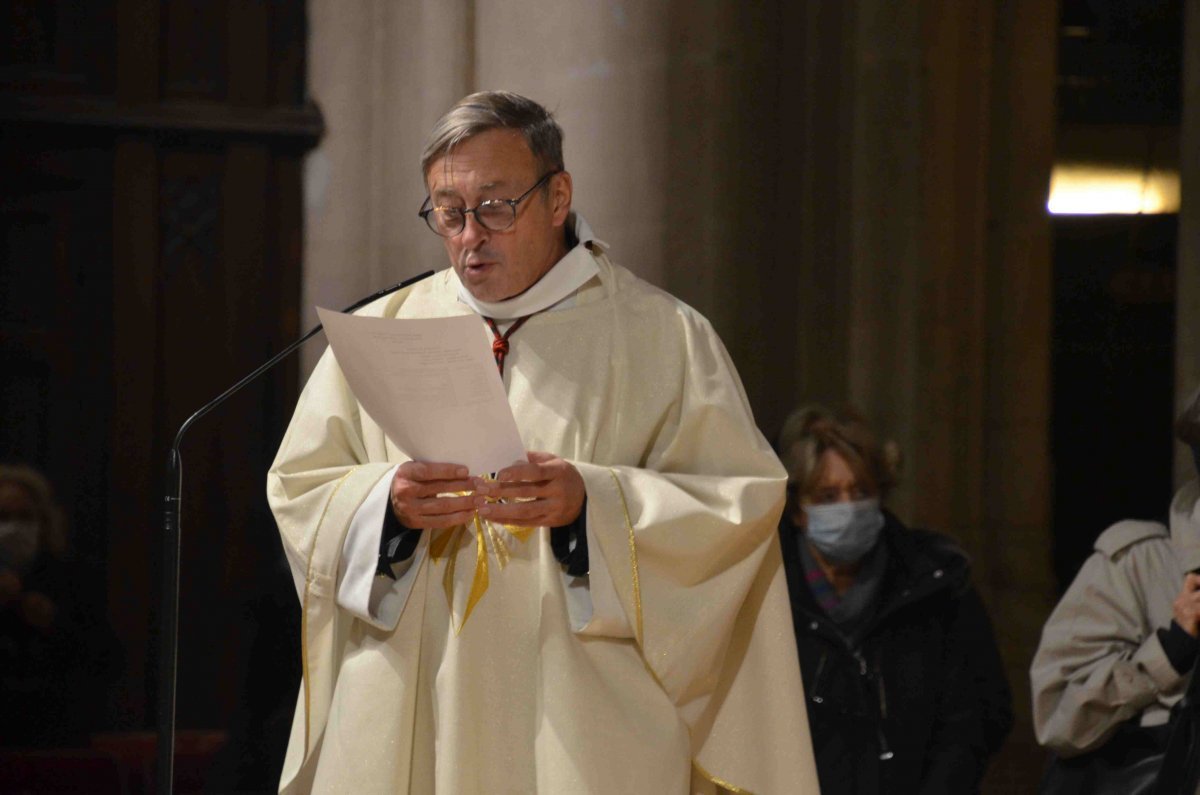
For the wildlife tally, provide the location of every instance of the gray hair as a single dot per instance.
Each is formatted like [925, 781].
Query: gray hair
[492, 110]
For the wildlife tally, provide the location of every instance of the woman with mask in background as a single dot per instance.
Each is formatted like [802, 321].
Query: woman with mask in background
[906, 690]
[57, 651]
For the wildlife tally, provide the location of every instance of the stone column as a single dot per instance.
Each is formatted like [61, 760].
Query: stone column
[1016, 475]
[382, 72]
[671, 116]
[601, 68]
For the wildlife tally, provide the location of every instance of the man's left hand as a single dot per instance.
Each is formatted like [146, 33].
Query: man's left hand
[551, 488]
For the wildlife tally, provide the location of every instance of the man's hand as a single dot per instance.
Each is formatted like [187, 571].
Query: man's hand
[1187, 605]
[414, 496]
[552, 487]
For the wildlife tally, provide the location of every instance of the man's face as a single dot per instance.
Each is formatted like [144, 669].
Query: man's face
[497, 164]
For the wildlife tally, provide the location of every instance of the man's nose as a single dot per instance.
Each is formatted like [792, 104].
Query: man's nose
[474, 234]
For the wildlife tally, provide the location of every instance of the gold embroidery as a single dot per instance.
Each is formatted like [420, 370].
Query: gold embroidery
[446, 544]
[633, 561]
[720, 782]
[308, 573]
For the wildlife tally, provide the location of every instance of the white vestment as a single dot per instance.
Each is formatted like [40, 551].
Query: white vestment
[692, 685]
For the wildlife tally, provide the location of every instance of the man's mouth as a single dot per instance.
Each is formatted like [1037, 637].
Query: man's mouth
[477, 268]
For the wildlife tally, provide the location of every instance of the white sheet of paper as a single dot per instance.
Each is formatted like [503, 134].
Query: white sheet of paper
[430, 384]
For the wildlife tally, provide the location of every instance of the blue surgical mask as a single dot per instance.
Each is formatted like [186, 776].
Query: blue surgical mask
[843, 532]
[18, 542]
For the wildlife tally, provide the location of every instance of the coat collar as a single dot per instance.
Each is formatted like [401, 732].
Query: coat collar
[920, 564]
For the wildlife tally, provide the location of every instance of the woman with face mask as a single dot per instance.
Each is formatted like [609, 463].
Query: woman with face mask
[906, 690]
[57, 651]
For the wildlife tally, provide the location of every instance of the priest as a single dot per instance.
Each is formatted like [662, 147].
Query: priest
[608, 614]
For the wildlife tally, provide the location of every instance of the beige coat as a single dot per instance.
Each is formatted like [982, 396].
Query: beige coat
[1100, 662]
[696, 687]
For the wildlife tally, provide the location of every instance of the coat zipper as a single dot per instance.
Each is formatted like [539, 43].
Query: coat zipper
[816, 697]
[885, 752]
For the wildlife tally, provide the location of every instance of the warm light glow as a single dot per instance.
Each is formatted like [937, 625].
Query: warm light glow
[1088, 189]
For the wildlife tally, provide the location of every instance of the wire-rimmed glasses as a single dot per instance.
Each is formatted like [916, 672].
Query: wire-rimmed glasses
[494, 214]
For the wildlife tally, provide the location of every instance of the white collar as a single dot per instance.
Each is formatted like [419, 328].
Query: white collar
[565, 277]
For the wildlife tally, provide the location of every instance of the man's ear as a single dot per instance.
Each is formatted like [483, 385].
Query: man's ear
[561, 188]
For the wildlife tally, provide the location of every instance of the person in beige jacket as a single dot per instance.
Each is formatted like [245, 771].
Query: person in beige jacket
[1121, 643]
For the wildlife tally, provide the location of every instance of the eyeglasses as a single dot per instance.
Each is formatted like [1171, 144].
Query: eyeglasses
[494, 214]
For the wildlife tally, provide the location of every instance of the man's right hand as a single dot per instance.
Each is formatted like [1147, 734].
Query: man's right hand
[1187, 605]
[414, 495]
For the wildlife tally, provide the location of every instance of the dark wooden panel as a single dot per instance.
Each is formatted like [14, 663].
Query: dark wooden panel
[134, 473]
[194, 43]
[57, 47]
[24, 388]
[196, 320]
[53, 320]
[249, 53]
[293, 128]
[138, 40]
[26, 284]
[289, 32]
[150, 234]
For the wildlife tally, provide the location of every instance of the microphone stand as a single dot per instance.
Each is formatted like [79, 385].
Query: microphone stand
[169, 618]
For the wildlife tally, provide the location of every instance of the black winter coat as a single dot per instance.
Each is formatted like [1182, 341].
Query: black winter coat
[919, 701]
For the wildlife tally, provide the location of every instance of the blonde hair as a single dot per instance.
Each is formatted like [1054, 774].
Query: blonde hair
[811, 430]
[50, 517]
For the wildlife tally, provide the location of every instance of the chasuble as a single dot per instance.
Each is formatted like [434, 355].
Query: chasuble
[682, 679]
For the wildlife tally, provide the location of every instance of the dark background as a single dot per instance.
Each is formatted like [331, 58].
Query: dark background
[150, 254]
[1120, 65]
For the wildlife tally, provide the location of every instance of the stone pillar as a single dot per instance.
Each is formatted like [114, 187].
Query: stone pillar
[885, 256]
[601, 68]
[1016, 476]
[1187, 279]
[382, 72]
[672, 136]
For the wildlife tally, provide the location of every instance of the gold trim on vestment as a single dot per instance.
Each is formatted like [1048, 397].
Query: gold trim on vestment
[304, 677]
[720, 782]
[633, 561]
[304, 613]
[445, 545]
[637, 603]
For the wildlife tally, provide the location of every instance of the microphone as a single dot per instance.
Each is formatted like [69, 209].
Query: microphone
[172, 534]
